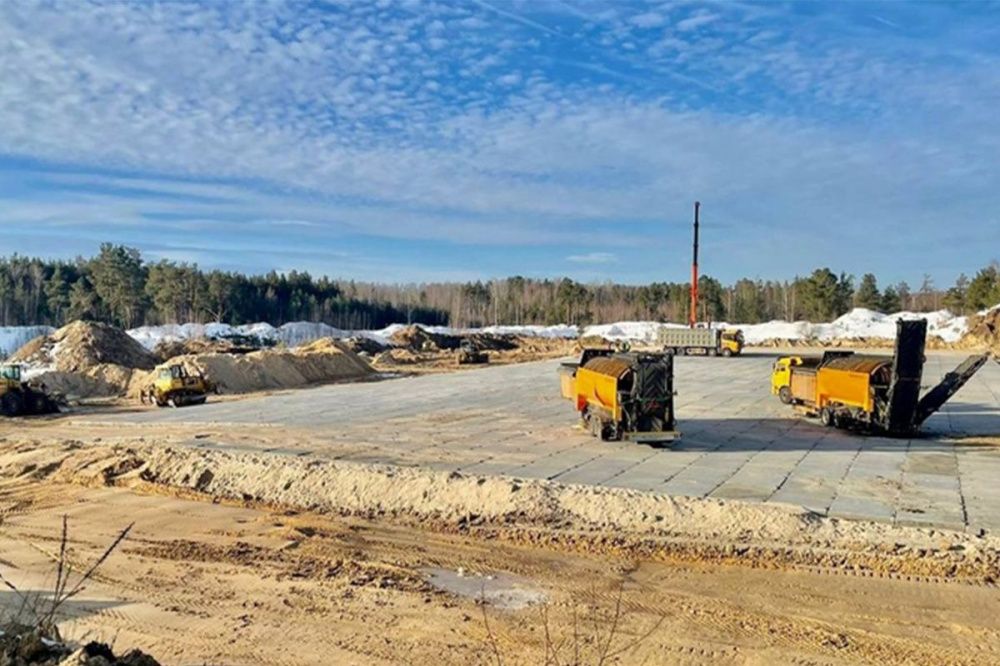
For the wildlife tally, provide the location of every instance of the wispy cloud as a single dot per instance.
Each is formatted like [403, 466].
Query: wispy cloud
[463, 123]
[593, 258]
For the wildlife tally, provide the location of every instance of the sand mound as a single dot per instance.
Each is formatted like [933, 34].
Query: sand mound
[324, 360]
[169, 349]
[984, 331]
[85, 360]
[81, 346]
[417, 338]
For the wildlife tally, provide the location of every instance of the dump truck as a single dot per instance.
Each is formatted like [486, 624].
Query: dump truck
[20, 398]
[174, 386]
[878, 394]
[709, 341]
[623, 395]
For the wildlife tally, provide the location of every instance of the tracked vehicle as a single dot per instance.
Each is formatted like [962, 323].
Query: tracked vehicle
[176, 387]
[20, 398]
[879, 394]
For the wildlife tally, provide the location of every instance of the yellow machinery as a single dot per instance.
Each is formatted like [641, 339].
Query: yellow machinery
[468, 354]
[18, 398]
[875, 393]
[623, 395]
[174, 386]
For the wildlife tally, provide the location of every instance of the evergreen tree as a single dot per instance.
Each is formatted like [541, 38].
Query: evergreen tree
[890, 300]
[868, 295]
[984, 289]
[118, 279]
[954, 299]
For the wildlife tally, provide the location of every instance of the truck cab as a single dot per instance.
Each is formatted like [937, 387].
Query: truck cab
[781, 376]
[731, 341]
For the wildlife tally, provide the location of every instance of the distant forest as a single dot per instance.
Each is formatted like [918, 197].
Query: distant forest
[117, 286]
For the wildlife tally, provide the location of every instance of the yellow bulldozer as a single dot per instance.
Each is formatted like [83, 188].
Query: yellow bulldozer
[174, 386]
[20, 398]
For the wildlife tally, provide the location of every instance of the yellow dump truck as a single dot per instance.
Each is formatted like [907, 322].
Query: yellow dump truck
[879, 394]
[623, 395]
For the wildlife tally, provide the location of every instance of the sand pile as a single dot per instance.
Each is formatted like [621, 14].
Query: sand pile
[984, 332]
[169, 349]
[416, 338]
[594, 518]
[362, 344]
[325, 360]
[85, 359]
[83, 345]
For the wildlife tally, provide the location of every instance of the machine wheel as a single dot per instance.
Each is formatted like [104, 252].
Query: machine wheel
[826, 417]
[713, 352]
[682, 351]
[11, 404]
[36, 403]
[785, 395]
[727, 352]
[669, 351]
[608, 432]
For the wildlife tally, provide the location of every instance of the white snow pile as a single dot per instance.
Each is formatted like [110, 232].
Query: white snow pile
[858, 323]
[291, 334]
[13, 338]
[302, 332]
[631, 331]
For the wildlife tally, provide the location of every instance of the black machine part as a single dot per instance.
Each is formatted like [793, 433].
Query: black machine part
[949, 386]
[648, 404]
[907, 371]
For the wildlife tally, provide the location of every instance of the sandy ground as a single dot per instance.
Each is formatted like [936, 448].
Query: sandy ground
[249, 559]
[203, 582]
[242, 556]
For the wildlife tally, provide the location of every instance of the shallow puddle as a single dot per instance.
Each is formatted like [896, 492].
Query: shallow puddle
[500, 590]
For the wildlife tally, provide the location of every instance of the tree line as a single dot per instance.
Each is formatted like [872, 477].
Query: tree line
[118, 286]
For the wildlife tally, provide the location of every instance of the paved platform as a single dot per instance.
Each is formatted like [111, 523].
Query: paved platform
[738, 441]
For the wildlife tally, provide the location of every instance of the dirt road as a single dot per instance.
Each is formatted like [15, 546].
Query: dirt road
[203, 582]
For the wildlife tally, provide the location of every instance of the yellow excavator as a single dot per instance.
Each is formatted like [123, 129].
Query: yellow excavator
[174, 386]
[20, 398]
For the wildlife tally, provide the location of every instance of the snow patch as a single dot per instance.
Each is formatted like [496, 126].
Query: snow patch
[13, 338]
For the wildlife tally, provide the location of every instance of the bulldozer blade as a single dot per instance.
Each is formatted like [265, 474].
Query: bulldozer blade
[949, 386]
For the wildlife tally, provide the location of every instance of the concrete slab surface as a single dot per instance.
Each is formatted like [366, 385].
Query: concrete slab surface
[738, 441]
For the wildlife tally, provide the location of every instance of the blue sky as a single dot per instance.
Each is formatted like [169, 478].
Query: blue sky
[423, 140]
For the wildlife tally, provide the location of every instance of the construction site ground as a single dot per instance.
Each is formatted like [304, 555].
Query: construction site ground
[738, 441]
[424, 520]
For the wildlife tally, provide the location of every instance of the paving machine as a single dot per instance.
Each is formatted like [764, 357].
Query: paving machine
[20, 398]
[623, 395]
[174, 386]
[880, 394]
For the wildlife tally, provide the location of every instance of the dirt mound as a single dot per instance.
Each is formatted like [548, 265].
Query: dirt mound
[984, 332]
[169, 349]
[85, 360]
[362, 344]
[495, 342]
[81, 346]
[325, 360]
[416, 338]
